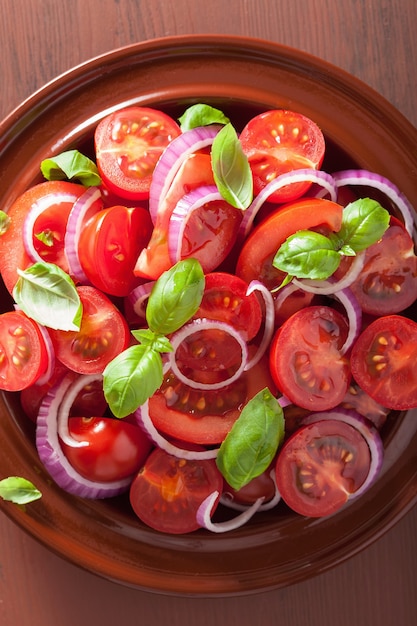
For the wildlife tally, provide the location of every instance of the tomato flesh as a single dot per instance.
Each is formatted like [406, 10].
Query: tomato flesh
[168, 491]
[320, 465]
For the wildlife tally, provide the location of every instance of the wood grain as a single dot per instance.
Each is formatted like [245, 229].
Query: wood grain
[372, 39]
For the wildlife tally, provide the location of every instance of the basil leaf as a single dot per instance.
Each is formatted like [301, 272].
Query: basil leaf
[307, 254]
[149, 338]
[363, 224]
[231, 170]
[175, 297]
[71, 165]
[46, 237]
[18, 490]
[201, 115]
[131, 378]
[252, 442]
[48, 295]
[4, 223]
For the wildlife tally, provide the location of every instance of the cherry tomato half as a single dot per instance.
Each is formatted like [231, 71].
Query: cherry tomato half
[168, 491]
[383, 361]
[277, 142]
[102, 335]
[128, 145]
[320, 465]
[305, 358]
[116, 449]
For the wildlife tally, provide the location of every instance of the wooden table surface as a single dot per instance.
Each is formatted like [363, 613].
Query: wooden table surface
[372, 39]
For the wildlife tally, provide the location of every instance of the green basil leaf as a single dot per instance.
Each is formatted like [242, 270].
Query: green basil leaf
[231, 170]
[131, 378]
[253, 441]
[201, 115]
[18, 490]
[48, 295]
[147, 337]
[46, 237]
[307, 254]
[71, 165]
[175, 297]
[4, 223]
[363, 224]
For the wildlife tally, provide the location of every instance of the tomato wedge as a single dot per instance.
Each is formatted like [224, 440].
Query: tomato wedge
[280, 141]
[259, 249]
[168, 491]
[128, 145]
[320, 465]
[383, 361]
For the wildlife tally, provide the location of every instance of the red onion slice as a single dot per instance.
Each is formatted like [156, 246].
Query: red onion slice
[205, 511]
[52, 456]
[376, 181]
[226, 499]
[269, 323]
[181, 214]
[368, 432]
[85, 207]
[138, 298]
[171, 159]
[329, 287]
[204, 324]
[321, 178]
[51, 355]
[145, 422]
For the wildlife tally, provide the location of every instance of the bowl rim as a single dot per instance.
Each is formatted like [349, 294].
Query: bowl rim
[36, 519]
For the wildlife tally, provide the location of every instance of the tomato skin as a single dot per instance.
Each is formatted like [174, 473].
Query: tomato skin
[23, 353]
[320, 465]
[109, 246]
[255, 258]
[115, 450]
[383, 361]
[305, 359]
[13, 254]
[175, 408]
[128, 144]
[277, 142]
[103, 334]
[261, 486]
[168, 491]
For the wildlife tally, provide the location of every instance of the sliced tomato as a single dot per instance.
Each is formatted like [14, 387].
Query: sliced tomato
[259, 249]
[115, 449]
[225, 299]
[388, 281]
[102, 335]
[279, 141]
[320, 465]
[205, 417]
[383, 361]
[57, 197]
[109, 245]
[262, 486]
[305, 359]
[168, 491]
[128, 145]
[23, 353]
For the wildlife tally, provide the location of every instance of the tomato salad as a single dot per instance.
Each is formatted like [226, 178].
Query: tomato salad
[206, 320]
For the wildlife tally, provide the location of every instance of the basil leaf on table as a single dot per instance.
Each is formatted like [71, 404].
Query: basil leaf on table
[18, 490]
[71, 165]
[231, 170]
[48, 295]
[253, 440]
[201, 115]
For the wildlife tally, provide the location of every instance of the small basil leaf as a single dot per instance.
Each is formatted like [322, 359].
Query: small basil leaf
[48, 295]
[131, 378]
[363, 224]
[46, 237]
[18, 490]
[231, 170]
[201, 115]
[307, 254]
[252, 442]
[71, 165]
[147, 337]
[175, 297]
[4, 223]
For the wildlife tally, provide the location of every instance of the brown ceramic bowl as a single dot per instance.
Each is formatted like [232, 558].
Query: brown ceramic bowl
[241, 76]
